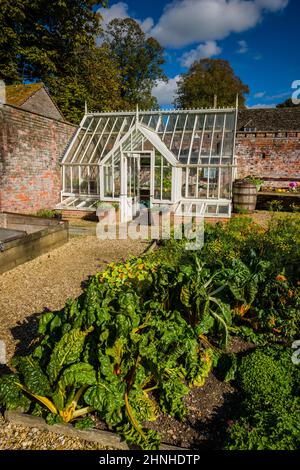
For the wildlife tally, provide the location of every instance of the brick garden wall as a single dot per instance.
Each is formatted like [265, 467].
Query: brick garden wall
[274, 157]
[30, 148]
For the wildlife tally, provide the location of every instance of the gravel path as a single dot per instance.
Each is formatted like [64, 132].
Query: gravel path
[46, 283]
[15, 437]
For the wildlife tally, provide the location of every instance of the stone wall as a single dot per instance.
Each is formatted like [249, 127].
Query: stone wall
[31, 146]
[274, 157]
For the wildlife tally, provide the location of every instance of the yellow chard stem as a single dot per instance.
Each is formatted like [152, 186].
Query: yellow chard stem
[43, 400]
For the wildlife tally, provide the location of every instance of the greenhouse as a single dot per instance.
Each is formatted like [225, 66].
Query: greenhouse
[182, 159]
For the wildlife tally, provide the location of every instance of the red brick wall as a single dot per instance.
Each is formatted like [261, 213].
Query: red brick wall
[30, 148]
[273, 157]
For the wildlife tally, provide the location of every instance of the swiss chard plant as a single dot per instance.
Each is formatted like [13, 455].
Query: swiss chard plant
[121, 350]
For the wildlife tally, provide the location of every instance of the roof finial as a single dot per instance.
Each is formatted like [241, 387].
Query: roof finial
[215, 101]
[85, 107]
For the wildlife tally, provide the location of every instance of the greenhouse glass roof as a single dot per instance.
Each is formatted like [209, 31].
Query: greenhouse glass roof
[201, 137]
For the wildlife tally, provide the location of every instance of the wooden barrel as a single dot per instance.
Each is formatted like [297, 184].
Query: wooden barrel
[244, 196]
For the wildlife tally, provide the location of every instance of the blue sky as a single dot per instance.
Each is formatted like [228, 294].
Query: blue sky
[260, 38]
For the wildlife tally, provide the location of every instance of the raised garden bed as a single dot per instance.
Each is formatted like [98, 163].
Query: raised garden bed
[24, 237]
[287, 200]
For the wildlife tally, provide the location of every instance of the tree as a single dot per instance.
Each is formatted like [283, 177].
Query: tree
[206, 79]
[288, 104]
[55, 42]
[93, 77]
[37, 37]
[140, 60]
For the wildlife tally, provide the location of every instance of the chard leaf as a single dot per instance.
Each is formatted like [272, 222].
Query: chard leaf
[66, 352]
[11, 395]
[77, 375]
[33, 377]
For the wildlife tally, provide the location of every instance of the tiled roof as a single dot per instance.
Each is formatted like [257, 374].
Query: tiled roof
[16, 95]
[269, 120]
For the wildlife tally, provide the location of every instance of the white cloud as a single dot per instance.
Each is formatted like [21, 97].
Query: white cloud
[272, 5]
[279, 96]
[165, 91]
[262, 105]
[261, 94]
[258, 56]
[208, 49]
[120, 10]
[186, 22]
[243, 47]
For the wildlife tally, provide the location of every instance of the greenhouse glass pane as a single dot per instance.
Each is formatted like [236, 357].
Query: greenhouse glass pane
[75, 179]
[213, 174]
[192, 183]
[202, 182]
[210, 122]
[94, 180]
[200, 122]
[67, 177]
[206, 144]
[108, 181]
[171, 123]
[230, 121]
[157, 182]
[84, 180]
[167, 183]
[225, 183]
[117, 178]
[176, 143]
[219, 122]
[183, 181]
[228, 144]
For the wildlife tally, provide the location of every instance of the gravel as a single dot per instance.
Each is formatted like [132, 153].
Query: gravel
[15, 437]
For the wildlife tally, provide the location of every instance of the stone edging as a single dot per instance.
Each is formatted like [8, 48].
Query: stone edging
[107, 439]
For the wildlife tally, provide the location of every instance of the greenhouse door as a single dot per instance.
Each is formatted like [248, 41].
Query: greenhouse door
[131, 188]
[136, 171]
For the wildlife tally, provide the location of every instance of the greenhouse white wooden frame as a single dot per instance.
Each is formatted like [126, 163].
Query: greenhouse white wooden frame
[183, 159]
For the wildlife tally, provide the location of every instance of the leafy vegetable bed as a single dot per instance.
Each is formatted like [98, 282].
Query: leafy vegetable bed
[144, 332]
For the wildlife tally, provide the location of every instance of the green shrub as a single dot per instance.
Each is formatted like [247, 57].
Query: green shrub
[46, 213]
[275, 205]
[270, 407]
[267, 431]
[264, 377]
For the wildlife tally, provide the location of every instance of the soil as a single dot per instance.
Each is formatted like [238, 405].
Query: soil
[210, 411]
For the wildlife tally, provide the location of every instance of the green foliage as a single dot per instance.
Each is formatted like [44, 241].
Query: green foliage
[264, 377]
[38, 36]
[275, 205]
[206, 79]
[287, 104]
[46, 213]
[140, 61]
[269, 412]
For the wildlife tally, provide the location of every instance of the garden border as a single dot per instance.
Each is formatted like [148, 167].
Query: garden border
[105, 438]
